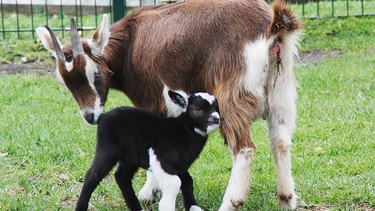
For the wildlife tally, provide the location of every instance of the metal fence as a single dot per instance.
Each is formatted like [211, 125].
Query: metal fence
[20, 18]
[335, 8]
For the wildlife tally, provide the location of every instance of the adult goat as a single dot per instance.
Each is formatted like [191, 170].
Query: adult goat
[242, 51]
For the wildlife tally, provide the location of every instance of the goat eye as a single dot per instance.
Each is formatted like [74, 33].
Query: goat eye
[195, 107]
[97, 74]
[68, 57]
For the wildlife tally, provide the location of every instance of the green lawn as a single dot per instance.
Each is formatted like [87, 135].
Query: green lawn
[46, 147]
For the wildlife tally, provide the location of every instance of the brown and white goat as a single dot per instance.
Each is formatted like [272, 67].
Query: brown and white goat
[242, 51]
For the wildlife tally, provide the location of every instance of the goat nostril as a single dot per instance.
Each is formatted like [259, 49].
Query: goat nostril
[89, 117]
[214, 120]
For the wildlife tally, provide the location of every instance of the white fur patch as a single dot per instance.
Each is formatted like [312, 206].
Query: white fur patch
[69, 66]
[291, 43]
[169, 184]
[173, 110]
[202, 133]
[256, 59]
[210, 129]
[206, 96]
[98, 109]
[215, 115]
[91, 69]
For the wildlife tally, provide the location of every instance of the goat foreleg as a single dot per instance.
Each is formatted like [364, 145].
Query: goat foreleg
[169, 184]
[147, 193]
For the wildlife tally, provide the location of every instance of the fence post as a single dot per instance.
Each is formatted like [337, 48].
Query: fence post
[118, 10]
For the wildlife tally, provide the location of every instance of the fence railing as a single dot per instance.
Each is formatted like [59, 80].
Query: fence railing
[20, 18]
[335, 8]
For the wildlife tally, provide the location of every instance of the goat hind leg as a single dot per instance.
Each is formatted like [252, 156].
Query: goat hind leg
[281, 124]
[124, 176]
[280, 145]
[100, 167]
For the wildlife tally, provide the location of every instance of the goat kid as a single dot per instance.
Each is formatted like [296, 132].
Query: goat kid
[136, 138]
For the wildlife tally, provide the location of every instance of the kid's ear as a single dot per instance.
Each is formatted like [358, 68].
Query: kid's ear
[178, 99]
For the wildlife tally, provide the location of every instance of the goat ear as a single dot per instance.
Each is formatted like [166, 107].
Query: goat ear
[178, 99]
[46, 40]
[100, 37]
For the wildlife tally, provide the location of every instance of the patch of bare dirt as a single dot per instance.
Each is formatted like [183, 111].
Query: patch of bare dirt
[13, 68]
[316, 57]
[327, 207]
[309, 58]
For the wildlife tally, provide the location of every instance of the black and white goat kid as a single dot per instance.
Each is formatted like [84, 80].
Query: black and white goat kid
[137, 138]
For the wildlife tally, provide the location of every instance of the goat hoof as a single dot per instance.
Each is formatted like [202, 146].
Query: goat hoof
[195, 208]
[288, 201]
[147, 198]
[237, 204]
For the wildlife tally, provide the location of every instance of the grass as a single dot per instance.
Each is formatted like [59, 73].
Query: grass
[46, 147]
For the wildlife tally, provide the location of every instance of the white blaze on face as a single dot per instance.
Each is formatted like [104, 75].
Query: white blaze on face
[91, 69]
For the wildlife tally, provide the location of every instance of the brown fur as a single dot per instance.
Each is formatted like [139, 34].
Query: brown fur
[194, 46]
[283, 19]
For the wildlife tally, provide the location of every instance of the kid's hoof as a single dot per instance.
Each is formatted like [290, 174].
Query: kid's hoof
[147, 196]
[195, 208]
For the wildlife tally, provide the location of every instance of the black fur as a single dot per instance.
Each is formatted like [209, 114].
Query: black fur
[126, 134]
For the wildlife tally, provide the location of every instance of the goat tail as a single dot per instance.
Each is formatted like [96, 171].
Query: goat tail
[285, 29]
[283, 19]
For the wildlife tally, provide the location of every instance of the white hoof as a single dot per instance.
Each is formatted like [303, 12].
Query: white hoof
[146, 195]
[195, 208]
